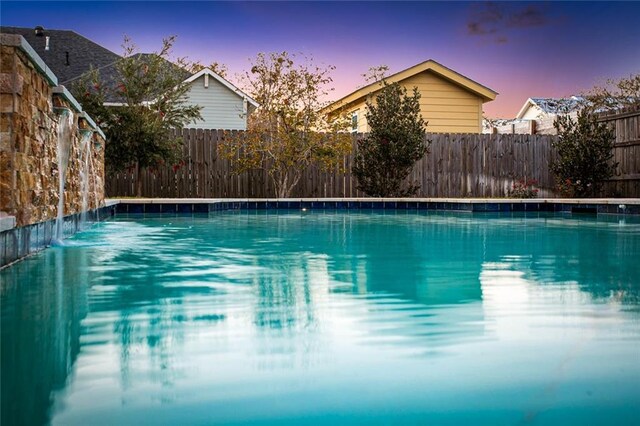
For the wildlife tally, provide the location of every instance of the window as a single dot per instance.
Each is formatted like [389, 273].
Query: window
[354, 121]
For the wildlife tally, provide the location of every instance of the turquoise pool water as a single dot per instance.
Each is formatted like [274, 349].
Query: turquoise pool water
[327, 318]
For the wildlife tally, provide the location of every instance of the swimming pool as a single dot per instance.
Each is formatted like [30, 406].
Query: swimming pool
[327, 317]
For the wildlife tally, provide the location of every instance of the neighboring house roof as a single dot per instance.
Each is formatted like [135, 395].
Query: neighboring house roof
[224, 82]
[109, 74]
[550, 106]
[69, 55]
[466, 83]
[181, 72]
[191, 78]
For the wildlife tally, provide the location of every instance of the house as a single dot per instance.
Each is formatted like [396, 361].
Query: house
[70, 55]
[66, 53]
[542, 108]
[224, 106]
[450, 102]
[536, 116]
[507, 126]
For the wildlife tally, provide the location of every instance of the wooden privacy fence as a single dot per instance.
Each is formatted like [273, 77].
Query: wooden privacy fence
[458, 165]
[625, 122]
[626, 180]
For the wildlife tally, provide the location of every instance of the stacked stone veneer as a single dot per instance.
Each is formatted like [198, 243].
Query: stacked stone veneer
[29, 117]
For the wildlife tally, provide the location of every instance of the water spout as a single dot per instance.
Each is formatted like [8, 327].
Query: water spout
[65, 125]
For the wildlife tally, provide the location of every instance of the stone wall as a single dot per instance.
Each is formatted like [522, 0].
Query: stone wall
[30, 114]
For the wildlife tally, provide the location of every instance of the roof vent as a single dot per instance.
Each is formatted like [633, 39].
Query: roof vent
[39, 30]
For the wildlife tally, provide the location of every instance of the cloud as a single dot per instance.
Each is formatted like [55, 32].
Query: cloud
[531, 16]
[492, 21]
[477, 28]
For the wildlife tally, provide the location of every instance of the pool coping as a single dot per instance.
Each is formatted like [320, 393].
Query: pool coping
[17, 243]
[626, 206]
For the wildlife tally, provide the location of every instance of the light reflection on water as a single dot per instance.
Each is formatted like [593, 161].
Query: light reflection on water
[327, 317]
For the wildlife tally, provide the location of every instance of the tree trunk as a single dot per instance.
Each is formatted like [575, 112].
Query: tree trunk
[280, 183]
[138, 181]
[284, 183]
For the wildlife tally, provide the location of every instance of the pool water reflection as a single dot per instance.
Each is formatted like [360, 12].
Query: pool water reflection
[322, 317]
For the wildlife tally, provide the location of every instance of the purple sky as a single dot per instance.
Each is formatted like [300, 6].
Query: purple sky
[519, 49]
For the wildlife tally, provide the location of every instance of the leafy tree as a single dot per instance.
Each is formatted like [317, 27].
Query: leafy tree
[217, 67]
[585, 151]
[616, 94]
[287, 133]
[376, 74]
[148, 92]
[386, 156]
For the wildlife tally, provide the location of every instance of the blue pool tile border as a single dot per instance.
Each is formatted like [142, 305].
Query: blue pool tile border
[20, 242]
[480, 206]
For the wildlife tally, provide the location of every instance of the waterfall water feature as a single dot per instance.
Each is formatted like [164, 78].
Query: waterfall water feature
[85, 171]
[65, 128]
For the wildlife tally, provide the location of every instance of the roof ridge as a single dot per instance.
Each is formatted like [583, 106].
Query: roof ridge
[74, 32]
[428, 65]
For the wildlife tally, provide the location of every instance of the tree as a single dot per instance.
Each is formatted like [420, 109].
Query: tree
[194, 67]
[150, 95]
[287, 133]
[396, 141]
[616, 94]
[376, 74]
[585, 151]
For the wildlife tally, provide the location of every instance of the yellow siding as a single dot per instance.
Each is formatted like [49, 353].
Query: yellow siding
[446, 107]
[361, 109]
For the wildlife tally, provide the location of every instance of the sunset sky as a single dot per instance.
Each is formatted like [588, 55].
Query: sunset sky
[519, 49]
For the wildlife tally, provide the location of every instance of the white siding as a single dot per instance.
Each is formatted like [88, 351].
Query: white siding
[222, 108]
[532, 113]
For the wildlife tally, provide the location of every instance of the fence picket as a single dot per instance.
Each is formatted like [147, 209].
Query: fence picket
[458, 165]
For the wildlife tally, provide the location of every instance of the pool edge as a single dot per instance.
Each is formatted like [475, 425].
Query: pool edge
[21, 242]
[18, 243]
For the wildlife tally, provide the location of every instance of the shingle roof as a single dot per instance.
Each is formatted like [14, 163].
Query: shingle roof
[559, 105]
[109, 74]
[181, 71]
[70, 55]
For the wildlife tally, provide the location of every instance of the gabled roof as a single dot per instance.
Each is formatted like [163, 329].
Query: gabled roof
[554, 105]
[430, 65]
[109, 73]
[146, 57]
[224, 82]
[70, 54]
[194, 77]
